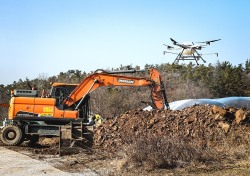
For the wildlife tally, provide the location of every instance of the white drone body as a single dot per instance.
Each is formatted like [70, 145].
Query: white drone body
[189, 50]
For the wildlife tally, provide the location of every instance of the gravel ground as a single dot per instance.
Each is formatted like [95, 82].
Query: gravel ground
[14, 163]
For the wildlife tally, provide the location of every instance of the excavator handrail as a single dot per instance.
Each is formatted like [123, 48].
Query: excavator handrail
[118, 71]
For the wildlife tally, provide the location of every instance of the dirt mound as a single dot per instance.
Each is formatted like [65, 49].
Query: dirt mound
[49, 141]
[208, 125]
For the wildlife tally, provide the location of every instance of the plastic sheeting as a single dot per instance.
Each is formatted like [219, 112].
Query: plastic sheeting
[237, 102]
[181, 104]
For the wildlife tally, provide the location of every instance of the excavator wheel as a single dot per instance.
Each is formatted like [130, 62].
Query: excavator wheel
[12, 135]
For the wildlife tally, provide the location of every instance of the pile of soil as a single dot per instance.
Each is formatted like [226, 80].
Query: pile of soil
[208, 125]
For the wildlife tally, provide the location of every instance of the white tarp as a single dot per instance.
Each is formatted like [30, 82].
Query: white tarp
[181, 104]
[237, 102]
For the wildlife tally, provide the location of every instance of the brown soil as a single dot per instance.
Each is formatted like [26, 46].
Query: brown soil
[208, 125]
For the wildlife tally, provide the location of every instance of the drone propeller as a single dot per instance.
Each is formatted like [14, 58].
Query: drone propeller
[169, 47]
[180, 45]
[209, 41]
[174, 42]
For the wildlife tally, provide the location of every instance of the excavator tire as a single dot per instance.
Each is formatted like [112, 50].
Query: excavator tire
[12, 135]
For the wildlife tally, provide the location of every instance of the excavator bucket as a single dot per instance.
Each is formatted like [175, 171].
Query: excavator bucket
[158, 94]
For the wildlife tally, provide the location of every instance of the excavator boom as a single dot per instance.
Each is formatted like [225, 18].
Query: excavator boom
[100, 79]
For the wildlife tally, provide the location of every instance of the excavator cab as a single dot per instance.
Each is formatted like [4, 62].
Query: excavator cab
[61, 88]
[60, 91]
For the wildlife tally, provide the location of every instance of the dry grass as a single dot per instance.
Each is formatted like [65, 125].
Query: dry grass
[153, 153]
[235, 146]
[164, 153]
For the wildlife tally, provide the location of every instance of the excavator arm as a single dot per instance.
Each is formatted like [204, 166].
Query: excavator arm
[99, 79]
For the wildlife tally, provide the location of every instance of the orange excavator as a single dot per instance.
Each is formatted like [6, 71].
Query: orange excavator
[30, 116]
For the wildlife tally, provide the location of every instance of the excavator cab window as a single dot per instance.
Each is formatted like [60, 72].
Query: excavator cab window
[57, 90]
[60, 92]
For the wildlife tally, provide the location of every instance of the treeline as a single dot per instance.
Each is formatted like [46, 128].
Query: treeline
[212, 81]
[181, 82]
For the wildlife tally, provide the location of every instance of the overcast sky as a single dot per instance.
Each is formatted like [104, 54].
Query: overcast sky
[52, 36]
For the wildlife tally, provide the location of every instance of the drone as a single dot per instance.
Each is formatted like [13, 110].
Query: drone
[189, 50]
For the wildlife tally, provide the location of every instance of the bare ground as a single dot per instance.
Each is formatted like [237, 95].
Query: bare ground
[102, 164]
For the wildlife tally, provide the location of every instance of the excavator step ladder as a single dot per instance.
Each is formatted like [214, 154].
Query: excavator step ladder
[75, 134]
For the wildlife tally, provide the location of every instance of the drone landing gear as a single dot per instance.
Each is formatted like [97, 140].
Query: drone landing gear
[196, 57]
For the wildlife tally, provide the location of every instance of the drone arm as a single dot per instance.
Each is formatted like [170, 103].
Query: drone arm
[211, 54]
[178, 44]
[164, 52]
